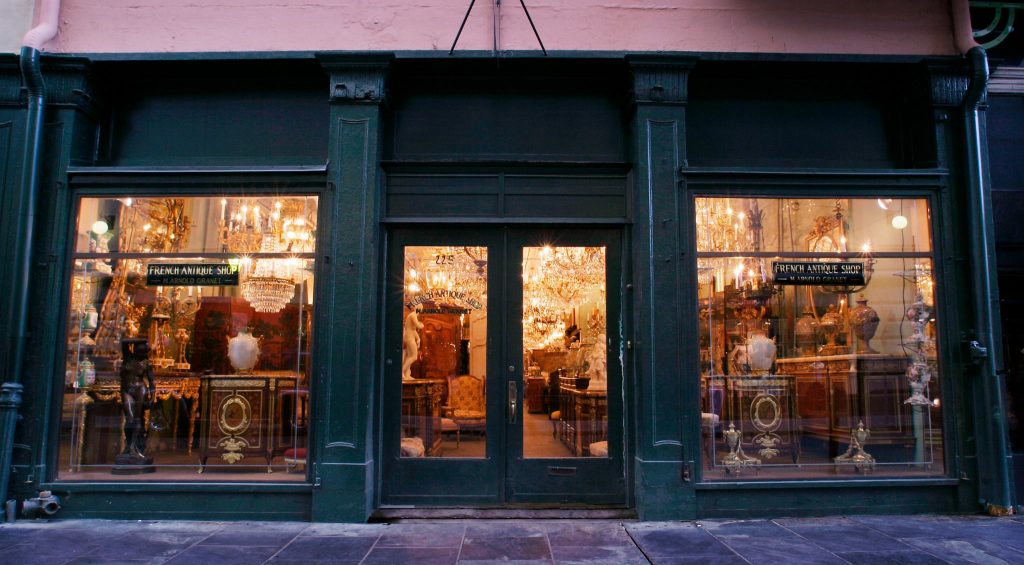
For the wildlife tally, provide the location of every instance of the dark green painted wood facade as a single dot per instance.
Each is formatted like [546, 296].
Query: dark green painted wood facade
[345, 125]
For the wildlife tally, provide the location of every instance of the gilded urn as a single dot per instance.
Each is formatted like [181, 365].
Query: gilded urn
[807, 331]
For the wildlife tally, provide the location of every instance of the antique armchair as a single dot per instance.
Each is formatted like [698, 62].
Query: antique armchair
[467, 405]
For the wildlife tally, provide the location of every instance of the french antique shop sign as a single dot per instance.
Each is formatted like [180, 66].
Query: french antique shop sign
[818, 272]
[191, 274]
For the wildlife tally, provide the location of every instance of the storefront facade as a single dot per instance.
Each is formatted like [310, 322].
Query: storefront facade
[331, 285]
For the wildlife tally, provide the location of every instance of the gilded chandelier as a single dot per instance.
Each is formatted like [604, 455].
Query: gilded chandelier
[556, 281]
[258, 226]
[720, 228]
[460, 271]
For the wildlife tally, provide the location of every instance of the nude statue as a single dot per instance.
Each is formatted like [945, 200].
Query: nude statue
[410, 343]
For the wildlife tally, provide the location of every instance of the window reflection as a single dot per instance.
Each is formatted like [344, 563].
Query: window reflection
[817, 338]
[188, 348]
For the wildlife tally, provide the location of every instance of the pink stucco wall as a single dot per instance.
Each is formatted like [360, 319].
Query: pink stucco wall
[769, 26]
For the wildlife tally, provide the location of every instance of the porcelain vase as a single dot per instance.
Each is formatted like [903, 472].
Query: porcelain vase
[760, 353]
[243, 351]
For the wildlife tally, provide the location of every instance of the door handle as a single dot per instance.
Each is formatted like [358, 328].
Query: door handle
[513, 401]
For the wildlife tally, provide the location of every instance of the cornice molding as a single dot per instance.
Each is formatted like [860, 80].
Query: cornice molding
[1007, 80]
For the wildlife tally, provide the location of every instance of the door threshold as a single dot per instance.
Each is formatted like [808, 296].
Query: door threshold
[400, 513]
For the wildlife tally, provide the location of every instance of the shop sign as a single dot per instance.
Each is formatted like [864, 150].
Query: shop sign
[191, 274]
[455, 311]
[818, 272]
[437, 295]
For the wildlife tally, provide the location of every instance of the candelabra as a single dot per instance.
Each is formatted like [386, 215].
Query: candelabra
[174, 309]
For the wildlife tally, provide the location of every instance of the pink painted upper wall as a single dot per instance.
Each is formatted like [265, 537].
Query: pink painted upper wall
[763, 26]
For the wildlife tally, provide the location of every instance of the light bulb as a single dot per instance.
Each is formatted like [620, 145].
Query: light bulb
[899, 222]
[99, 227]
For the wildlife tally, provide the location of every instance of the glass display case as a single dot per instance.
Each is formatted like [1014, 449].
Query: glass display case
[817, 324]
[188, 338]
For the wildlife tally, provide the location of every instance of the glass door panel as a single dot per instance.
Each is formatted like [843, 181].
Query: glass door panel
[444, 352]
[564, 363]
[565, 352]
[442, 422]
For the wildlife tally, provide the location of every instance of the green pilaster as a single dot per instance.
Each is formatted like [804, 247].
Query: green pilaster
[69, 138]
[344, 469]
[665, 400]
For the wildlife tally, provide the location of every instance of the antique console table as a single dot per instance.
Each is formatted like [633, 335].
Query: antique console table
[838, 391]
[421, 412]
[764, 410]
[584, 416]
[176, 385]
[240, 416]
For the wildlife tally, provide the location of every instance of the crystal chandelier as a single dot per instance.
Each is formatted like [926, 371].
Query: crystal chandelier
[266, 226]
[720, 228]
[449, 272]
[271, 286]
[557, 280]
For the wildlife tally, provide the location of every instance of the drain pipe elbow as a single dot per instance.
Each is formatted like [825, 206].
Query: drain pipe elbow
[46, 29]
[963, 33]
[978, 60]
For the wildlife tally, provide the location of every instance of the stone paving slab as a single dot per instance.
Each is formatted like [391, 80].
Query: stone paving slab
[871, 540]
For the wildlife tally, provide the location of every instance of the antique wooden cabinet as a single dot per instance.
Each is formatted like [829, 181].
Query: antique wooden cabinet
[421, 412]
[763, 408]
[838, 391]
[584, 416]
[241, 416]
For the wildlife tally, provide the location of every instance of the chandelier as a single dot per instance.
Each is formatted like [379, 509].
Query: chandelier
[720, 228]
[557, 280]
[448, 273]
[268, 227]
[271, 286]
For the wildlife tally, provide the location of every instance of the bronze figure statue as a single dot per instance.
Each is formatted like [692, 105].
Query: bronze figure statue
[138, 394]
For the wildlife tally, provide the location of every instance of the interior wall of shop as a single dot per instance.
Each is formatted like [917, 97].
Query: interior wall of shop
[1005, 121]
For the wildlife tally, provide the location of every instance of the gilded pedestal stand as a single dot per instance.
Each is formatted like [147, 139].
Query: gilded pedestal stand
[855, 455]
[736, 460]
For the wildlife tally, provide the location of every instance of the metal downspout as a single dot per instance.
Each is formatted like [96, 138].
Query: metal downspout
[10, 391]
[986, 349]
[32, 75]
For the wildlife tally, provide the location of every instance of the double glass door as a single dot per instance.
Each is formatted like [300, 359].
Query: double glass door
[502, 374]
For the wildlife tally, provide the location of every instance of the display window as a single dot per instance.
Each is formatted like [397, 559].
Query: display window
[818, 338]
[188, 339]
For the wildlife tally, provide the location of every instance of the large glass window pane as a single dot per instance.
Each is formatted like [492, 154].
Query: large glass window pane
[188, 339]
[818, 338]
[565, 352]
[444, 352]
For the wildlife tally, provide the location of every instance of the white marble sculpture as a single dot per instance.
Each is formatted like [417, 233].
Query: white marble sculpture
[410, 343]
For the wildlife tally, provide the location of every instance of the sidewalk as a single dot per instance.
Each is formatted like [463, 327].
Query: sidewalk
[857, 539]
